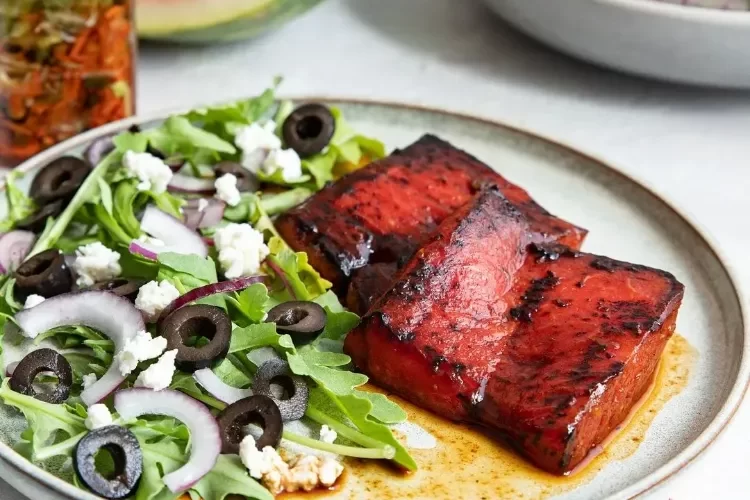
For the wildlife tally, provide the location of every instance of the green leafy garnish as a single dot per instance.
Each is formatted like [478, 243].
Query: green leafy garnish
[300, 280]
[20, 206]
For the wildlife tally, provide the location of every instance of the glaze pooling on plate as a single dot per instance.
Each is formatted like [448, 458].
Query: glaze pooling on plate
[582, 189]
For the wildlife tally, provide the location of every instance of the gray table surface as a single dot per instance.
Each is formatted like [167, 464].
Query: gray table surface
[691, 145]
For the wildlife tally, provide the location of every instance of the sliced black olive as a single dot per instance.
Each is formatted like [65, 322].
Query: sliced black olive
[293, 401]
[126, 454]
[59, 180]
[301, 319]
[121, 287]
[197, 321]
[246, 181]
[46, 274]
[98, 149]
[257, 409]
[36, 221]
[309, 129]
[36, 362]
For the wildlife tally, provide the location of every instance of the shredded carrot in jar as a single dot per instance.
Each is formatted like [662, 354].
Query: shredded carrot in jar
[65, 67]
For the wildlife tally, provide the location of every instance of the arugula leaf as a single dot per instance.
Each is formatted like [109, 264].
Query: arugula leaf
[191, 269]
[20, 206]
[185, 133]
[301, 280]
[358, 410]
[338, 382]
[230, 374]
[129, 141]
[124, 203]
[229, 477]
[159, 458]
[277, 177]
[105, 193]
[250, 303]
[46, 421]
[260, 335]
[321, 166]
[383, 408]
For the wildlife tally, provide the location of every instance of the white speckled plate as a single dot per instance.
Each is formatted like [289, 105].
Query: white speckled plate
[626, 221]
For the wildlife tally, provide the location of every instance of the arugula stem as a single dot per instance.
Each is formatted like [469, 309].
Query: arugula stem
[61, 448]
[343, 430]
[386, 452]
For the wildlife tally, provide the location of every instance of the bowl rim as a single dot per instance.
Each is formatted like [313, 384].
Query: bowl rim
[683, 12]
[721, 421]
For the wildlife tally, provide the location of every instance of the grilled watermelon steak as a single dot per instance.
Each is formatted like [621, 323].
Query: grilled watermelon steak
[202, 21]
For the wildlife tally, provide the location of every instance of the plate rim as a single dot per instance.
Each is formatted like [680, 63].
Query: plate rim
[690, 453]
[683, 12]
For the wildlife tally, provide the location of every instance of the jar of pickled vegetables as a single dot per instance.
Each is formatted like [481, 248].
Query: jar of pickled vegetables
[65, 66]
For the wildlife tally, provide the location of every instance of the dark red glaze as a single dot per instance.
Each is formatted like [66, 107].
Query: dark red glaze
[382, 213]
[546, 345]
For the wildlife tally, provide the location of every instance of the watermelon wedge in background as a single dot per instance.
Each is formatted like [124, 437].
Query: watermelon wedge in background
[204, 21]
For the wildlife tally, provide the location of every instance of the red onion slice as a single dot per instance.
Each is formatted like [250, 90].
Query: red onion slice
[139, 248]
[218, 389]
[205, 440]
[113, 316]
[177, 237]
[234, 285]
[181, 183]
[210, 215]
[14, 247]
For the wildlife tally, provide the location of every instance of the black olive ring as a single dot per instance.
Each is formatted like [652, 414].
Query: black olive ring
[59, 180]
[201, 321]
[309, 129]
[277, 371]
[36, 362]
[46, 274]
[302, 320]
[126, 454]
[256, 409]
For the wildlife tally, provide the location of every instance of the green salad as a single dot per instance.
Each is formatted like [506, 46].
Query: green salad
[160, 338]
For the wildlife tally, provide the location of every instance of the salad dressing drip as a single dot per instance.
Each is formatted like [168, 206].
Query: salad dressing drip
[470, 460]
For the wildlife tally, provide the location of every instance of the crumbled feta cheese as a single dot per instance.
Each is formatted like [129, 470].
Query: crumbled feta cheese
[327, 435]
[226, 189]
[33, 300]
[153, 173]
[329, 471]
[286, 160]
[153, 297]
[278, 474]
[140, 348]
[98, 416]
[159, 375]
[95, 262]
[241, 249]
[150, 240]
[256, 141]
[202, 204]
[88, 380]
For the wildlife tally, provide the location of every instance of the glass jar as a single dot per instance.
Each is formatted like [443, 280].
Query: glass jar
[65, 66]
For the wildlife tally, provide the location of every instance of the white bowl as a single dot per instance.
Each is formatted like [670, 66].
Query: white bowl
[662, 40]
